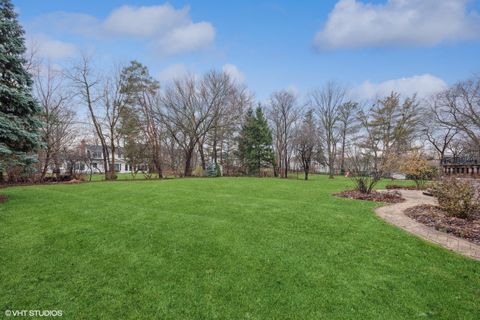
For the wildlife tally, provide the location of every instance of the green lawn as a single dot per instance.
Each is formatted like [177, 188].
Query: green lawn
[225, 248]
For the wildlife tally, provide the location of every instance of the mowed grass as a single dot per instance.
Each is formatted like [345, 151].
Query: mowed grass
[221, 248]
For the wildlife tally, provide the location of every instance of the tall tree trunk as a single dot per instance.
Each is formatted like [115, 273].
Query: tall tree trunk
[330, 165]
[330, 157]
[285, 146]
[214, 146]
[188, 161]
[112, 165]
[306, 168]
[56, 165]
[202, 156]
[45, 166]
[342, 159]
[105, 161]
[157, 161]
[98, 129]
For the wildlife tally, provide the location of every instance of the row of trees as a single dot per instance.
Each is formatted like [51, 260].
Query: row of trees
[211, 121]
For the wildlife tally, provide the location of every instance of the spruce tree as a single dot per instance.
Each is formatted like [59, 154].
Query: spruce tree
[19, 111]
[255, 142]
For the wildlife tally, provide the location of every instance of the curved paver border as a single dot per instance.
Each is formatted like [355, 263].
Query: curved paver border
[394, 214]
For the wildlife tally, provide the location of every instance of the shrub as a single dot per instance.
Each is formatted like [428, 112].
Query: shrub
[365, 183]
[213, 170]
[417, 168]
[198, 171]
[457, 197]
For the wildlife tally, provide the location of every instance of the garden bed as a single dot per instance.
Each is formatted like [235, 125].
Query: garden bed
[435, 217]
[388, 197]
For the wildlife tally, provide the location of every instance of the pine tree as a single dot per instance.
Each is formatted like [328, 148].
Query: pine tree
[19, 111]
[140, 89]
[255, 142]
[212, 169]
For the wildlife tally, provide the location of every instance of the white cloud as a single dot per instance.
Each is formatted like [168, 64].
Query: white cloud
[293, 90]
[354, 24]
[423, 85]
[145, 21]
[175, 71]
[166, 29]
[187, 38]
[45, 47]
[234, 72]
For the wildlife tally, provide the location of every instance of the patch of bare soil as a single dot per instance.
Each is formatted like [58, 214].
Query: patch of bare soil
[435, 217]
[3, 199]
[388, 197]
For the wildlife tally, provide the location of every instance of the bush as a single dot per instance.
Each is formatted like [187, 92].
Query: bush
[198, 171]
[213, 170]
[417, 168]
[365, 183]
[457, 197]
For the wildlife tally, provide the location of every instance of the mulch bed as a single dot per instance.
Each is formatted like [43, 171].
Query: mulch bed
[3, 199]
[388, 197]
[435, 217]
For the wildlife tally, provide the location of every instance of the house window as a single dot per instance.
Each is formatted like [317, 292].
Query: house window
[117, 167]
[126, 167]
[94, 165]
[79, 166]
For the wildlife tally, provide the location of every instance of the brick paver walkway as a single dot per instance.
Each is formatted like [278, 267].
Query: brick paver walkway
[394, 215]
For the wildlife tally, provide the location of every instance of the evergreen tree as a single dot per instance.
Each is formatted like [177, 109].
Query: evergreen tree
[141, 89]
[212, 169]
[19, 111]
[255, 142]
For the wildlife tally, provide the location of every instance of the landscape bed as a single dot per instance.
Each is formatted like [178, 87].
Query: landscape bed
[228, 248]
[435, 217]
[387, 197]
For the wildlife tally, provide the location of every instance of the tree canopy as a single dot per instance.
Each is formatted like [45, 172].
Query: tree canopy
[255, 142]
[19, 111]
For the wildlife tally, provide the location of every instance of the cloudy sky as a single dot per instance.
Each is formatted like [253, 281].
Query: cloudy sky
[373, 47]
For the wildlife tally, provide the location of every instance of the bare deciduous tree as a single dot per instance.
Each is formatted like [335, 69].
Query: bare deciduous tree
[283, 113]
[190, 109]
[347, 125]
[306, 143]
[88, 84]
[57, 117]
[436, 131]
[459, 107]
[326, 102]
[113, 102]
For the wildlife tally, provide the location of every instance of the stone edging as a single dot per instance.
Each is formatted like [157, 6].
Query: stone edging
[393, 214]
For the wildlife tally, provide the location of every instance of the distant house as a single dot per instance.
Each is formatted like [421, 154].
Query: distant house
[94, 156]
[89, 159]
[465, 164]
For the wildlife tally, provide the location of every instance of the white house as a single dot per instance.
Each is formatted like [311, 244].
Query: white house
[89, 159]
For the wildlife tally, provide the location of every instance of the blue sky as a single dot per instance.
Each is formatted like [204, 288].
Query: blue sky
[370, 46]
